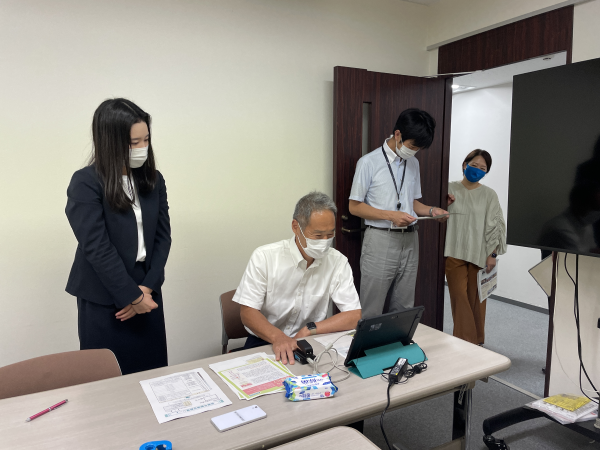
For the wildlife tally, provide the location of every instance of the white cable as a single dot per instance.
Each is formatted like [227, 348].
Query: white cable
[328, 349]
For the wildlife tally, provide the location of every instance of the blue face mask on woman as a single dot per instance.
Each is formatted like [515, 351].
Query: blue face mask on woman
[473, 174]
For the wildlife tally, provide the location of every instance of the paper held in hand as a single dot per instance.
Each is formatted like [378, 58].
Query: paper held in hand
[487, 282]
[183, 394]
[253, 375]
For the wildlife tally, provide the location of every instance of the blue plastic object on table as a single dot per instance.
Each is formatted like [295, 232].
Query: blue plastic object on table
[157, 445]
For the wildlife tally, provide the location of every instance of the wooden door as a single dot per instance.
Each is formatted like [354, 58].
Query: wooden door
[388, 95]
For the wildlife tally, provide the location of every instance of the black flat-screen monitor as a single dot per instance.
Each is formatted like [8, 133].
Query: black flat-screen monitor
[554, 181]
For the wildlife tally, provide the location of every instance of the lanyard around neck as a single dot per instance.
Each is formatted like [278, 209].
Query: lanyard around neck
[398, 205]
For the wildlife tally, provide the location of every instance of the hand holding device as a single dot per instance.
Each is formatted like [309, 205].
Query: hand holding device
[283, 348]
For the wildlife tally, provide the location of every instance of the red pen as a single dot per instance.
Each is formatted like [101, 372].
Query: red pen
[29, 419]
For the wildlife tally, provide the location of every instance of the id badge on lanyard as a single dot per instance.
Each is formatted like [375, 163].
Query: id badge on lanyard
[398, 204]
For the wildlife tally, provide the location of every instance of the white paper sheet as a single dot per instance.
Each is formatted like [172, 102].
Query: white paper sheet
[487, 282]
[183, 394]
[342, 346]
[586, 412]
[433, 218]
[542, 274]
[253, 375]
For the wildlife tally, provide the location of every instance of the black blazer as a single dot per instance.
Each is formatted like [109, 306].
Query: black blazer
[108, 241]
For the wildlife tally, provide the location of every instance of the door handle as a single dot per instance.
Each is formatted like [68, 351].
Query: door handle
[356, 230]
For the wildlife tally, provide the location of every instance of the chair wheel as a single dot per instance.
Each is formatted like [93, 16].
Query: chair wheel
[495, 444]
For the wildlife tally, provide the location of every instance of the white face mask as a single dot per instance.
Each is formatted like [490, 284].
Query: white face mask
[404, 152]
[316, 248]
[137, 157]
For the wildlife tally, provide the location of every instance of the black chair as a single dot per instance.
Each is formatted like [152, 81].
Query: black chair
[522, 414]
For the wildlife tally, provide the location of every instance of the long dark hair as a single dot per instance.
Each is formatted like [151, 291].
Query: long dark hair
[111, 131]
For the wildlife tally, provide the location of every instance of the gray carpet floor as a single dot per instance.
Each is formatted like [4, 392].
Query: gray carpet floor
[519, 334]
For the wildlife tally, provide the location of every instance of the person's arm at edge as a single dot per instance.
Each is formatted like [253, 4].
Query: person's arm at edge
[283, 345]
[342, 321]
[361, 209]
[423, 211]
[162, 242]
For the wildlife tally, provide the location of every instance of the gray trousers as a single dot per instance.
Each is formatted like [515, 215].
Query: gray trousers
[388, 264]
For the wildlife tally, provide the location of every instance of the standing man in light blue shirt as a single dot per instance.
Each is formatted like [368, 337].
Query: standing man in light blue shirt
[385, 192]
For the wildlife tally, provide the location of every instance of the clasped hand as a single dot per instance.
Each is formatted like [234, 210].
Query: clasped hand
[146, 305]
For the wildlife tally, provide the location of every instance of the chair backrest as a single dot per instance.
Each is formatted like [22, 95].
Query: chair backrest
[233, 328]
[57, 371]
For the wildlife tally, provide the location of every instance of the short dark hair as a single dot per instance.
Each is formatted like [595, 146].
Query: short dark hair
[478, 152]
[418, 125]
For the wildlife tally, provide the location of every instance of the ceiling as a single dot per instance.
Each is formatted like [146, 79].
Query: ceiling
[505, 74]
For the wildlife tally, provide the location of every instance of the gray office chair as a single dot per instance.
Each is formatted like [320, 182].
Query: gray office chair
[233, 328]
[56, 371]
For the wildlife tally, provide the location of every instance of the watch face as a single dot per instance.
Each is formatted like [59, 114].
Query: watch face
[311, 325]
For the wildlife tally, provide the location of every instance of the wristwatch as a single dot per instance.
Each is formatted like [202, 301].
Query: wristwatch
[312, 328]
[493, 255]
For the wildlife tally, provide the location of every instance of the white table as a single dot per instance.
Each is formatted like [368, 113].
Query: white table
[115, 413]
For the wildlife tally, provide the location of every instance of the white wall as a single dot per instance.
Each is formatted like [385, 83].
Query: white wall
[241, 94]
[481, 119]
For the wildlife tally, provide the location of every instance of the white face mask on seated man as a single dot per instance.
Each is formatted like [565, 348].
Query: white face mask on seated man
[316, 248]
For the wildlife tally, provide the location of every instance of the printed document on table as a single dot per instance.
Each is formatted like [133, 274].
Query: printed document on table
[183, 394]
[487, 282]
[342, 346]
[253, 375]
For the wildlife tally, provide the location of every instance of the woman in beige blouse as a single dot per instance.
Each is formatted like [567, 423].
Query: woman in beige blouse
[474, 238]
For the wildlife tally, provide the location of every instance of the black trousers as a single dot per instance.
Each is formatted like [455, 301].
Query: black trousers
[254, 341]
[139, 343]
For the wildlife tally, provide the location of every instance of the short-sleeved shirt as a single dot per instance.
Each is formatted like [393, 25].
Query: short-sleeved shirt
[278, 284]
[374, 186]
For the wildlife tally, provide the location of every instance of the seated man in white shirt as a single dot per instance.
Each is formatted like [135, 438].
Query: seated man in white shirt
[285, 291]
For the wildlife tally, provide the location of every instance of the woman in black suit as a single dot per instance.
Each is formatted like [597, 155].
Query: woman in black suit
[117, 207]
